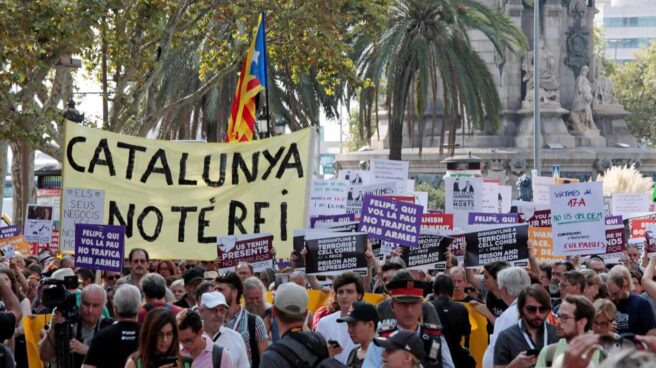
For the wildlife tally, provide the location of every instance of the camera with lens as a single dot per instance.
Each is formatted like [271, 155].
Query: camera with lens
[56, 294]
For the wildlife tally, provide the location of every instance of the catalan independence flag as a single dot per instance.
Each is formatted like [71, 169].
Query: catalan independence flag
[252, 80]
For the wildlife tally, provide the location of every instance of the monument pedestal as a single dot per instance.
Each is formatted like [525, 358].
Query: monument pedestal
[551, 122]
[589, 138]
[610, 120]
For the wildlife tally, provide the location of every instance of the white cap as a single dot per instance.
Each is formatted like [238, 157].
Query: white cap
[61, 273]
[213, 299]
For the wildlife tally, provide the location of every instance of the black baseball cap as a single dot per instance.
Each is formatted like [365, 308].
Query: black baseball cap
[405, 340]
[361, 311]
[193, 275]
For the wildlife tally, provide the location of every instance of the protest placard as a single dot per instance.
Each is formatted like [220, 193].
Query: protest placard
[400, 198]
[356, 194]
[541, 218]
[650, 240]
[178, 196]
[10, 231]
[494, 219]
[540, 186]
[255, 249]
[99, 247]
[52, 198]
[577, 215]
[638, 227]
[542, 241]
[335, 253]
[615, 245]
[421, 198]
[38, 224]
[505, 193]
[491, 199]
[328, 197]
[331, 219]
[338, 227]
[429, 254]
[626, 204]
[503, 244]
[355, 177]
[385, 171]
[437, 221]
[10, 237]
[462, 195]
[80, 206]
[298, 246]
[393, 221]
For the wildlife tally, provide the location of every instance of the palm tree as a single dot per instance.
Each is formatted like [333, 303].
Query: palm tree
[425, 46]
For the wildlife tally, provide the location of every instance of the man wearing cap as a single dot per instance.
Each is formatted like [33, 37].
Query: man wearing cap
[362, 323]
[192, 278]
[407, 297]
[212, 310]
[403, 349]
[295, 348]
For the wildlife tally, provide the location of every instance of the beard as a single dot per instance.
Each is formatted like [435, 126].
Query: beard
[534, 322]
[258, 309]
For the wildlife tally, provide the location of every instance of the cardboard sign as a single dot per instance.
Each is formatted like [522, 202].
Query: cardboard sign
[639, 226]
[52, 198]
[330, 219]
[99, 247]
[38, 224]
[541, 218]
[491, 199]
[335, 253]
[385, 171]
[10, 231]
[328, 197]
[355, 177]
[626, 204]
[540, 186]
[577, 215]
[505, 193]
[252, 248]
[503, 244]
[437, 221]
[542, 240]
[429, 254]
[80, 206]
[463, 195]
[482, 218]
[355, 195]
[393, 221]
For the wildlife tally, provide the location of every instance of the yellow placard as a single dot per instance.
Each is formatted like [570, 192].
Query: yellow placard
[175, 198]
[33, 325]
[542, 239]
[478, 339]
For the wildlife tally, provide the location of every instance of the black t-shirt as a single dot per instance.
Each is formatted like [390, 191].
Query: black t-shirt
[496, 307]
[112, 346]
[183, 303]
[7, 325]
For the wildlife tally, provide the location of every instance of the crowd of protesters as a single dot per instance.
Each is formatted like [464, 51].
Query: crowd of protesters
[578, 312]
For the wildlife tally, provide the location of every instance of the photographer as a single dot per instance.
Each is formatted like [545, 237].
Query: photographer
[8, 322]
[82, 329]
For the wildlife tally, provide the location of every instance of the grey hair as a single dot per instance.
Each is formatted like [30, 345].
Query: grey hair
[298, 273]
[176, 283]
[254, 283]
[514, 280]
[169, 297]
[94, 288]
[153, 285]
[127, 300]
[458, 269]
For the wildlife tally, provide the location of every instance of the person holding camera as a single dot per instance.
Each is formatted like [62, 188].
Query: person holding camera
[8, 323]
[84, 325]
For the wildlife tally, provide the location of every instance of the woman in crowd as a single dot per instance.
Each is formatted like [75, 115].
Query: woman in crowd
[178, 289]
[159, 346]
[168, 270]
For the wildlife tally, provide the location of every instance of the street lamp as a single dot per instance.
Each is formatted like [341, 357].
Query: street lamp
[280, 125]
[262, 129]
[72, 114]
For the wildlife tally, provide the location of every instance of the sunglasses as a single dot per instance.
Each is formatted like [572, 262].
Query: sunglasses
[534, 309]
[112, 278]
[139, 261]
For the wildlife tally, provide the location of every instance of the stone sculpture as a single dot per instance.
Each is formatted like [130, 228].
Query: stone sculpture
[549, 83]
[603, 88]
[581, 115]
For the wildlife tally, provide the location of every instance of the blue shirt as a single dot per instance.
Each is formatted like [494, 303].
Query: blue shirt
[374, 357]
[634, 315]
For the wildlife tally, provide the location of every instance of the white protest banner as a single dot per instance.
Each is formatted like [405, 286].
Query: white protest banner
[80, 206]
[384, 171]
[335, 253]
[328, 197]
[355, 195]
[577, 219]
[355, 177]
[505, 193]
[421, 198]
[410, 185]
[38, 224]
[491, 200]
[627, 204]
[463, 195]
[252, 248]
[540, 186]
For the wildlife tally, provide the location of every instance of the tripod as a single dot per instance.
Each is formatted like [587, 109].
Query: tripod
[63, 333]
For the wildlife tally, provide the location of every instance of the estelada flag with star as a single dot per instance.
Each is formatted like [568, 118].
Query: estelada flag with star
[252, 80]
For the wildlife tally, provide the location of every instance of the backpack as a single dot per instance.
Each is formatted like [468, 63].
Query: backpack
[311, 341]
[252, 341]
[217, 354]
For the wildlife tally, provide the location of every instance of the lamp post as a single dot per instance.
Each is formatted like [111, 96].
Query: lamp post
[262, 126]
[279, 125]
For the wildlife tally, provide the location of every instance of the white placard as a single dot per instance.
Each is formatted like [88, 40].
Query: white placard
[410, 185]
[505, 192]
[627, 204]
[421, 198]
[577, 219]
[328, 197]
[355, 195]
[383, 171]
[462, 195]
[38, 224]
[540, 186]
[80, 206]
[491, 200]
[355, 177]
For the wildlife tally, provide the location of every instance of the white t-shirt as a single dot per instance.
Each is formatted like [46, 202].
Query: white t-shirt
[233, 343]
[507, 319]
[332, 330]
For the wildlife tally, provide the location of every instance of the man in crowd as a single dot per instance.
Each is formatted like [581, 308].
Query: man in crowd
[192, 279]
[571, 283]
[254, 294]
[634, 314]
[198, 346]
[93, 300]
[8, 322]
[489, 288]
[348, 288]
[213, 309]
[153, 287]
[518, 345]
[512, 281]
[110, 278]
[459, 277]
[407, 296]
[596, 264]
[112, 346]
[361, 321]
[244, 270]
[84, 276]
[67, 261]
[384, 308]
[138, 260]
[402, 349]
[251, 327]
[575, 317]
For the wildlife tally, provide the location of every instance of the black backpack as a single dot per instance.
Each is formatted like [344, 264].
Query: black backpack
[312, 341]
[217, 353]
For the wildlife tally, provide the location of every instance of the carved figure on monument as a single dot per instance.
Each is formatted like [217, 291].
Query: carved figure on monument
[581, 115]
[578, 7]
[549, 83]
[603, 89]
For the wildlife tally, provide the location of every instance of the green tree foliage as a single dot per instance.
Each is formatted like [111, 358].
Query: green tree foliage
[435, 195]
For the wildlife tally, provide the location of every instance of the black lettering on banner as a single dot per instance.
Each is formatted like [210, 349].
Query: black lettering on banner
[183, 219]
[238, 162]
[271, 160]
[223, 159]
[182, 180]
[96, 160]
[202, 224]
[132, 149]
[160, 155]
[233, 220]
[69, 153]
[283, 218]
[258, 220]
[333, 253]
[501, 244]
[115, 213]
[285, 164]
[158, 226]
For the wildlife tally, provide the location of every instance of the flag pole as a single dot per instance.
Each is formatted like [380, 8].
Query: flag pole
[266, 76]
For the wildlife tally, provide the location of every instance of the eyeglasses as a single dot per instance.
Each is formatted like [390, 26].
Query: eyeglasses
[112, 278]
[139, 261]
[163, 335]
[563, 317]
[534, 309]
[189, 341]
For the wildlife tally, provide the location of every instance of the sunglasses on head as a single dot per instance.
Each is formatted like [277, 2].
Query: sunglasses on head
[533, 309]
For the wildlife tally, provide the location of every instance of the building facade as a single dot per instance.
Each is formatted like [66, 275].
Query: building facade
[628, 25]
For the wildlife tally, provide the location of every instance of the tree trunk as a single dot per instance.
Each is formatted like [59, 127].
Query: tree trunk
[22, 171]
[4, 145]
[395, 140]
